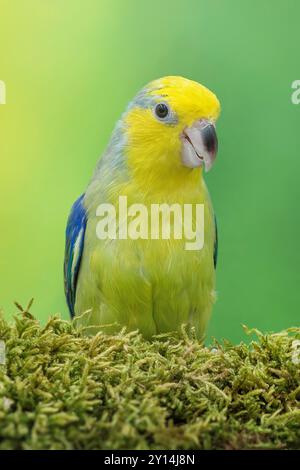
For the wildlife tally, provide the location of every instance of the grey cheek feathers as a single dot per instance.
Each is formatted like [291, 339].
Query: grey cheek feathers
[145, 101]
[113, 160]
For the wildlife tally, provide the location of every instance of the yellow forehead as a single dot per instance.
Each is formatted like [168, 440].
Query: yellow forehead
[189, 99]
[153, 145]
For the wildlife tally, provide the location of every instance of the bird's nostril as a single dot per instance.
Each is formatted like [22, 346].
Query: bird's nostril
[210, 139]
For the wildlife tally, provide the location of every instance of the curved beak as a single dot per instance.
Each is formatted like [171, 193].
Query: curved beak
[199, 145]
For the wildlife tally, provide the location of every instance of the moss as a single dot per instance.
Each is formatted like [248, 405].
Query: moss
[60, 389]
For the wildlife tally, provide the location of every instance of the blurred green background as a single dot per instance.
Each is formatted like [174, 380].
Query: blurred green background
[70, 67]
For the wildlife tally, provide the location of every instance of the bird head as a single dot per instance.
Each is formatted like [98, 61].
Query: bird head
[170, 130]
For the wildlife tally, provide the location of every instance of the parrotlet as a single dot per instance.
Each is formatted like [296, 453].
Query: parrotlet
[157, 155]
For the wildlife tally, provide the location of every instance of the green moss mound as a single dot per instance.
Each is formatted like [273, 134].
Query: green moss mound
[60, 389]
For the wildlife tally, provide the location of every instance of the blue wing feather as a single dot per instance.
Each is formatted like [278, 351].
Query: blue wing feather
[75, 232]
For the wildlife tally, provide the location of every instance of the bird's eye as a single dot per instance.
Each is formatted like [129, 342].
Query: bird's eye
[161, 110]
